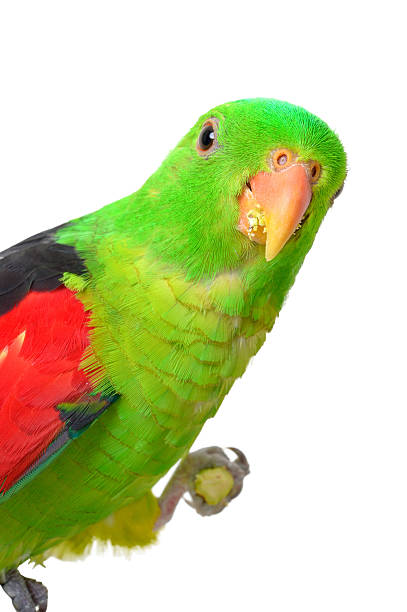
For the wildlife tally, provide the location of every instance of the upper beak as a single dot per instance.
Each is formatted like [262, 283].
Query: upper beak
[272, 208]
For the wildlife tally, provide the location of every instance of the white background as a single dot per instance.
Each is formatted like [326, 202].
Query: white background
[94, 95]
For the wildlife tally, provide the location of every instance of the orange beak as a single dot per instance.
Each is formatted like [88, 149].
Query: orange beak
[272, 208]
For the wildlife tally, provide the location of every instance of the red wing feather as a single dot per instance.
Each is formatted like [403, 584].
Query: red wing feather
[42, 340]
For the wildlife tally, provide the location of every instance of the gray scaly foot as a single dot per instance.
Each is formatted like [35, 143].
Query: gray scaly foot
[211, 479]
[27, 595]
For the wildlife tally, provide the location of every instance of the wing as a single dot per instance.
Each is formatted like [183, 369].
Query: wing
[36, 264]
[45, 398]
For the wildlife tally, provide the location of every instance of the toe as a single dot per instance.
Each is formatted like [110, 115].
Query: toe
[39, 594]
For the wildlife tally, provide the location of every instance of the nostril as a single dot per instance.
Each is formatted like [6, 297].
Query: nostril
[315, 171]
[248, 185]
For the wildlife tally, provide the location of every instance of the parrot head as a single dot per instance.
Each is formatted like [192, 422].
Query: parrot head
[251, 181]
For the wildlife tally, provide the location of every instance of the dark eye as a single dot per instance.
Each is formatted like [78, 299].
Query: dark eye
[207, 139]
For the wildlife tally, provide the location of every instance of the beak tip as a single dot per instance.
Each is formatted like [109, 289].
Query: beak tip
[272, 251]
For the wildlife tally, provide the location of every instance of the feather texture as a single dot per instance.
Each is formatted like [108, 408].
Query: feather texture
[42, 341]
[172, 305]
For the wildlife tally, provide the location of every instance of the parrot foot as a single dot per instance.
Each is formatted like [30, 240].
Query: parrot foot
[211, 479]
[27, 595]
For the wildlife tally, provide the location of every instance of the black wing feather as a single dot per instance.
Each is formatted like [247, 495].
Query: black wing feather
[37, 264]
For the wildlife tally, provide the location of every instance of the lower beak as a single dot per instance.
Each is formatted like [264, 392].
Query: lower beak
[272, 208]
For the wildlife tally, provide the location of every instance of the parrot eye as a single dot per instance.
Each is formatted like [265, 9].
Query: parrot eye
[282, 158]
[207, 139]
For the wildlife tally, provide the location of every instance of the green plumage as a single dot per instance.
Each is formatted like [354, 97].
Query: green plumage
[180, 300]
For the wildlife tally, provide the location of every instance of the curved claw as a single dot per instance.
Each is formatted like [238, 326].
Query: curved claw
[241, 458]
[189, 502]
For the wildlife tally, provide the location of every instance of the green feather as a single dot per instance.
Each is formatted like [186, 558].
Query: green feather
[179, 302]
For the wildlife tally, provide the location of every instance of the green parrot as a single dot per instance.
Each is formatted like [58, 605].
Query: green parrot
[122, 331]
